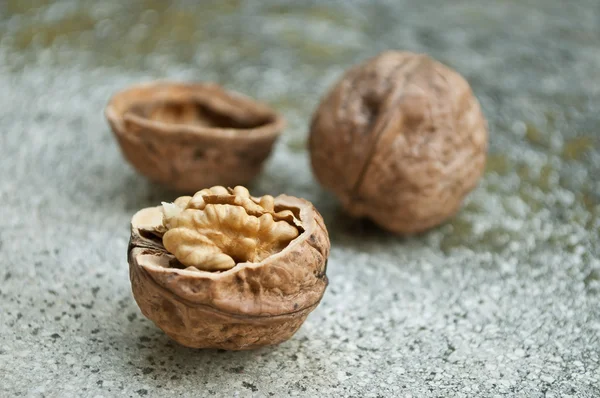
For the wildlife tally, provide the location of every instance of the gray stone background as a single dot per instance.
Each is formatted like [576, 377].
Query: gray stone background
[500, 301]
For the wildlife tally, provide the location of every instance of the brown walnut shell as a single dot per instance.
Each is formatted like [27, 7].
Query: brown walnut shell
[400, 139]
[192, 136]
[249, 306]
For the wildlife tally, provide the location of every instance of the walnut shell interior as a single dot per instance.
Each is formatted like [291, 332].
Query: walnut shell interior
[190, 136]
[198, 111]
[250, 305]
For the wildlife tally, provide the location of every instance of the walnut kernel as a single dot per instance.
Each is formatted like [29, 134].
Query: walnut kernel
[217, 235]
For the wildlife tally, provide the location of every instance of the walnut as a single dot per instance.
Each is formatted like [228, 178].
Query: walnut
[191, 136]
[223, 269]
[400, 139]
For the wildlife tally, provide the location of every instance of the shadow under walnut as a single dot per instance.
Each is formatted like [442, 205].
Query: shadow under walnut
[248, 306]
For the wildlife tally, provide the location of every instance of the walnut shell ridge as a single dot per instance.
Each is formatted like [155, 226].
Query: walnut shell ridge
[400, 139]
[192, 136]
[249, 306]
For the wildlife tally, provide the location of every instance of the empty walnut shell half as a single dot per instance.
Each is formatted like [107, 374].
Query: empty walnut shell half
[192, 136]
[239, 273]
[400, 139]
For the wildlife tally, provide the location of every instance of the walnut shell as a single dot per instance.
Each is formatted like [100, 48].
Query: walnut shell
[400, 139]
[248, 306]
[191, 136]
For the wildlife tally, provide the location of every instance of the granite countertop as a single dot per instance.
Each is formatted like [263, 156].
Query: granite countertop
[500, 301]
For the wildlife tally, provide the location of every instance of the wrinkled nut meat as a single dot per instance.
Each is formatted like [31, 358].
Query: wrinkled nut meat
[191, 136]
[223, 269]
[231, 228]
[400, 139]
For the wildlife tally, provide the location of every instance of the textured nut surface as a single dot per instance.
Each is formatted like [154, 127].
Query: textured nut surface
[263, 299]
[400, 139]
[216, 235]
[190, 136]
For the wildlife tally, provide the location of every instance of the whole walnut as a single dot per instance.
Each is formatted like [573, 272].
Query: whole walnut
[223, 269]
[400, 139]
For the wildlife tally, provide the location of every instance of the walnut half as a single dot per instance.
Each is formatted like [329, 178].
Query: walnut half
[193, 135]
[223, 269]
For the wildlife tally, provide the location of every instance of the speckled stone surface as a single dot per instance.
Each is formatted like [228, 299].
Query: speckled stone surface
[501, 301]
